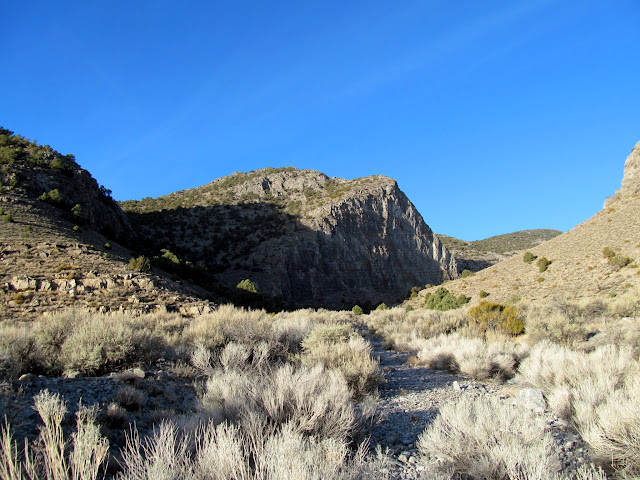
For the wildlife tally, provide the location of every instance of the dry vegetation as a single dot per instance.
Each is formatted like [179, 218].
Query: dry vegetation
[582, 354]
[283, 396]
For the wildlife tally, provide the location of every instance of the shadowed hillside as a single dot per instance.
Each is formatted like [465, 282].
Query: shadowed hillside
[302, 238]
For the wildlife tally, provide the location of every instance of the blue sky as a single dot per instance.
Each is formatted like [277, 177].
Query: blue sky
[493, 116]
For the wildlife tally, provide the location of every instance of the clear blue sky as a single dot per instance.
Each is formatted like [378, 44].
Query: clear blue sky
[493, 116]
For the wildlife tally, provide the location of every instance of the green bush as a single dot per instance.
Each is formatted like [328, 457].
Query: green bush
[357, 310]
[466, 273]
[247, 285]
[529, 257]
[8, 218]
[140, 264]
[53, 196]
[59, 165]
[443, 300]
[616, 260]
[483, 294]
[619, 261]
[543, 263]
[77, 210]
[495, 316]
[382, 306]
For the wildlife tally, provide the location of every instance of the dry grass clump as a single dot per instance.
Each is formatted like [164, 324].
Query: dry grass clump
[17, 346]
[490, 439]
[339, 347]
[315, 401]
[486, 438]
[225, 451]
[598, 392]
[93, 344]
[471, 357]
[397, 325]
[574, 324]
[252, 451]
[50, 458]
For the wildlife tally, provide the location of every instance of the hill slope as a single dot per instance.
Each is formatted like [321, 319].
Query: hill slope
[579, 265]
[304, 239]
[480, 254]
[59, 241]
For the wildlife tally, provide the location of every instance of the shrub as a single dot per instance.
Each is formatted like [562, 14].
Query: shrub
[529, 257]
[8, 218]
[53, 196]
[357, 310]
[247, 285]
[489, 315]
[77, 210]
[471, 357]
[487, 438]
[313, 401]
[140, 264]
[107, 245]
[619, 261]
[351, 357]
[608, 252]
[598, 393]
[543, 263]
[382, 306]
[443, 300]
[466, 273]
[56, 459]
[60, 165]
[483, 294]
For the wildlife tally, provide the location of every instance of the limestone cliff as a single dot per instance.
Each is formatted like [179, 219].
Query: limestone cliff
[631, 179]
[305, 240]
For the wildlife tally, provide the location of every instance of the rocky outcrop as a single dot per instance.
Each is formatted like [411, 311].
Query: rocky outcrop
[631, 179]
[364, 249]
[305, 240]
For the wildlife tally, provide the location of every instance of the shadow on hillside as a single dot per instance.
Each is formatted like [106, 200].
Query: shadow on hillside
[336, 265]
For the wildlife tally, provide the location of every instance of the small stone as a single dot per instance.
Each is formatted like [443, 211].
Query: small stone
[402, 458]
[456, 385]
[532, 398]
[74, 374]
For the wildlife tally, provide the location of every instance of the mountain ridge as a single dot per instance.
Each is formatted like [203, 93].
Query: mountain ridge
[297, 233]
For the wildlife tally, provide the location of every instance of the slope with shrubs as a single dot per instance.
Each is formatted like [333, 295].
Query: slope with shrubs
[479, 254]
[63, 240]
[597, 259]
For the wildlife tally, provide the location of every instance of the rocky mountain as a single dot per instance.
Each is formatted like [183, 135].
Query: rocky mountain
[597, 259]
[479, 254]
[302, 238]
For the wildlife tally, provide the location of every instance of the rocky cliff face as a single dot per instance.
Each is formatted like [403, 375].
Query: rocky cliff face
[304, 239]
[631, 179]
